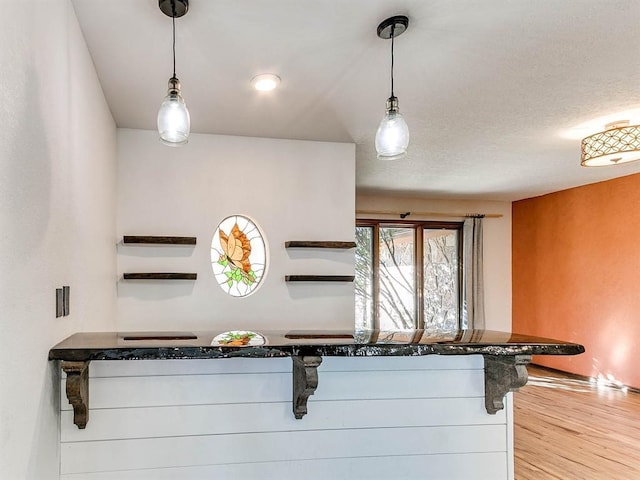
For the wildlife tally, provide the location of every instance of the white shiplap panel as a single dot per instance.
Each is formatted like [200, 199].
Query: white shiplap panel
[426, 362]
[399, 384]
[508, 412]
[119, 368]
[380, 417]
[122, 392]
[471, 466]
[273, 417]
[274, 447]
[144, 368]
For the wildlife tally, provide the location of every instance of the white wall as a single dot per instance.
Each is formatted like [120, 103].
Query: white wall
[57, 219]
[497, 243]
[294, 190]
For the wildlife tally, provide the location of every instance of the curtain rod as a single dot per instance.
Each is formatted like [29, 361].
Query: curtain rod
[429, 214]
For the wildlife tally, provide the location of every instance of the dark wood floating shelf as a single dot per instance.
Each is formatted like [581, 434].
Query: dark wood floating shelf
[319, 278]
[505, 355]
[304, 335]
[160, 276]
[165, 336]
[159, 240]
[319, 244]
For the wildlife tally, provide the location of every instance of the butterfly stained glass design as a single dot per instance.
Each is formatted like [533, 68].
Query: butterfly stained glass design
[238, 255]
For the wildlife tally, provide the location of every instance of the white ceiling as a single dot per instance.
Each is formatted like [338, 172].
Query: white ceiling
[490, 89]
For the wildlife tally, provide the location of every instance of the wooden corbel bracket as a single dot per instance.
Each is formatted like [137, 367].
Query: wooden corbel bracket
[503, 374]
[305, 382]
[77, 387]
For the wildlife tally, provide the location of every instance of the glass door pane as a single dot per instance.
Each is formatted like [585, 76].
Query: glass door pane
[397, 293]
[441, 279]
[364, 277]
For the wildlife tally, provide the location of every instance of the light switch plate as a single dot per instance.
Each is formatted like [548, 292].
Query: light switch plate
[59, 303]
[66, 290]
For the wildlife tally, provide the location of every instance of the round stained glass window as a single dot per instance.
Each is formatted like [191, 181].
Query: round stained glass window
[238, 255]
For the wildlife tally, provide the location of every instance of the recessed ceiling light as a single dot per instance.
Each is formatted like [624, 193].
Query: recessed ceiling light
[265, 82]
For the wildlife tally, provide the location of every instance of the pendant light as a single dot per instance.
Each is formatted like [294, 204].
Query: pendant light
[392, 137]
[173, 117]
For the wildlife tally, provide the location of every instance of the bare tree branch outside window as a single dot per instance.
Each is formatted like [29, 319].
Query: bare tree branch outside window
[440, 290]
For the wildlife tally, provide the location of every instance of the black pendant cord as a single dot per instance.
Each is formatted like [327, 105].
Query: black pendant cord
[173, 19]
[393, 27]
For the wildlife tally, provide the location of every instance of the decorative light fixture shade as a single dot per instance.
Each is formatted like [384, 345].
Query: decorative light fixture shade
[392, 137]
[618, 143]
[174, 123]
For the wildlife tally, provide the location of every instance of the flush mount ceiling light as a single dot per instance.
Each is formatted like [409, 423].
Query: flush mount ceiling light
[618, 143]
[265, 82]
[392, 137]
[173, 117]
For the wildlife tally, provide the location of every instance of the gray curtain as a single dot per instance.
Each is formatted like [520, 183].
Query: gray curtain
[472, 275]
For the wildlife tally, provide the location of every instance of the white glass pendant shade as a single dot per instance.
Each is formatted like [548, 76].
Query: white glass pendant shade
[392, 137]
[174, 123]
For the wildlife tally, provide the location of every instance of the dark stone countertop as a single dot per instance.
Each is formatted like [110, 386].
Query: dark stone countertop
[168, 345]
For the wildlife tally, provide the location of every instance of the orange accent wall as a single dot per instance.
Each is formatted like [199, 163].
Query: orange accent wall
[576, 275]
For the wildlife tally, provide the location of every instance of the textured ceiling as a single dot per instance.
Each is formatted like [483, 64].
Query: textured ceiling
[492, 91]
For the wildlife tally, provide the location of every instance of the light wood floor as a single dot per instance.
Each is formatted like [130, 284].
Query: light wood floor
[571, 429]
